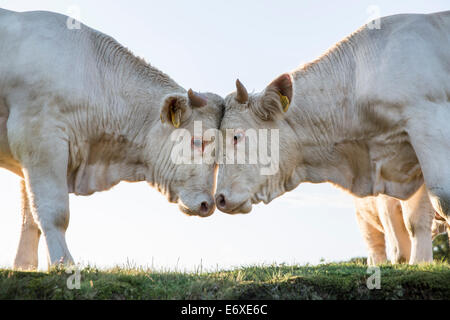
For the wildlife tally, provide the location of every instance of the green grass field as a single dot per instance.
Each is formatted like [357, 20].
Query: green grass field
[325, 281]
[347, 280]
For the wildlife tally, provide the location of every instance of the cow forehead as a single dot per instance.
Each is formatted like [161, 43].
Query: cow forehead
[215, 105]
[234, 119]
[236, 115]
[211, 114]
[240, 119]
[231, 103]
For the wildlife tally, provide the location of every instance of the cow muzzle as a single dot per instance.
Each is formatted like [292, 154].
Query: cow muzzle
[230, 205]
[202, 206]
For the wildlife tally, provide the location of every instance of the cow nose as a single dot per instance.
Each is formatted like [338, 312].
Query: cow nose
[207, 207]
[204, 208]
[220, 201]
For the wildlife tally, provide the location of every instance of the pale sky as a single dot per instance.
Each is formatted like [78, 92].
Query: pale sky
[206, 45]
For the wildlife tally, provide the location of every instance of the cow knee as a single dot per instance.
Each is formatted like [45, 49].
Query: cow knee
[416, 227]
[55, 219]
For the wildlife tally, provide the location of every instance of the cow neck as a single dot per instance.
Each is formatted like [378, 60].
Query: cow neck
[133, 93]
[324, 118]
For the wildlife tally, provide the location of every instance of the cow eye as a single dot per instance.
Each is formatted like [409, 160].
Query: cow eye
[238, 137]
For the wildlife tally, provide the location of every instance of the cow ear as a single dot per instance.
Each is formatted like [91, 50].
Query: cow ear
[177, 108]
[277, 97]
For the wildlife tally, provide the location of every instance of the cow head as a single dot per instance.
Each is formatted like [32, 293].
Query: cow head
[183, 172]
[262, 115]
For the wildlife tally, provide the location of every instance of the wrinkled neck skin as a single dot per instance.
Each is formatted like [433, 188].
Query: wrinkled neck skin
[344, 137]
[118, 136]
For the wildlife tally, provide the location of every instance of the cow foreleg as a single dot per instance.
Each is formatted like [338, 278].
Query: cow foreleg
[418, 215]
[45, 172]
[27, 252]
[430, 138]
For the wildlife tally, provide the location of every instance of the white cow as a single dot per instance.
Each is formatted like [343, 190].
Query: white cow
[384, 218]
[78, 114]
[371, 116]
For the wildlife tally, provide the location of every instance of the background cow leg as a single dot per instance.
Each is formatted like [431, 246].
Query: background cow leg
[27, 252]
[373, 238]
[418, 215]
[448, 233]
[390, 213]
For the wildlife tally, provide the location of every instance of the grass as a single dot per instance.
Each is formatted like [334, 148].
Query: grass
[326, 281]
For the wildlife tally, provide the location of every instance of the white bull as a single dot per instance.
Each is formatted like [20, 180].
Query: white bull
[371, 116]
[78, 114]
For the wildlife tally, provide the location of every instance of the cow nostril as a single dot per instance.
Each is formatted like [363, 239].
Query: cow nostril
[221, 201]
[204, 207]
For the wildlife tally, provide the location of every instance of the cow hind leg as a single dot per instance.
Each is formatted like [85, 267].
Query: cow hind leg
[27, 252]
[390, 212]
[373, 238]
